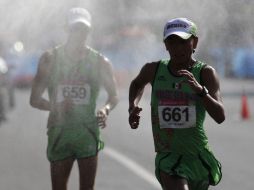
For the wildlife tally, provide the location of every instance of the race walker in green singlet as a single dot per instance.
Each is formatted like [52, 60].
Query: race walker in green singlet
[76, 133]
[177, 122]
[73, 73]
[183, 90]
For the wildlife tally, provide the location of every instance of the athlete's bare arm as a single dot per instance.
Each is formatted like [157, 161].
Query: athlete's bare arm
[109, 83]
[40, 83]
[136, 90]
[212, 101]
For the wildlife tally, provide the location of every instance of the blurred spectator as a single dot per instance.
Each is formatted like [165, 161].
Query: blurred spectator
[24, 71]
[3, 74]
[243, 63]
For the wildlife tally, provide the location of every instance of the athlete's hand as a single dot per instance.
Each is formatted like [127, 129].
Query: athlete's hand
[191, 80]
[134, 117]
[102, 115]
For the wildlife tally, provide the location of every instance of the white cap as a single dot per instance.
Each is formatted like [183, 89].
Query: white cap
[79, 15]
[181, 27]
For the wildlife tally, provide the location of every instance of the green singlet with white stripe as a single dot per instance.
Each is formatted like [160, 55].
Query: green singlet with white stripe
[177, 113]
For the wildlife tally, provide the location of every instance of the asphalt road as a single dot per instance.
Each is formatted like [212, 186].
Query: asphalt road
[127, 162]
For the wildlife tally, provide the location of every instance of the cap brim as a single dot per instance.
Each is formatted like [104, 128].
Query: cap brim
[83, 21]
[182, 35]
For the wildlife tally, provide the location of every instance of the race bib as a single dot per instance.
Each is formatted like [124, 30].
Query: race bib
[177, 116]
[79, 94]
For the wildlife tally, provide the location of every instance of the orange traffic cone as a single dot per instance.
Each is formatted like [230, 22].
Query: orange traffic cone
[245, 109]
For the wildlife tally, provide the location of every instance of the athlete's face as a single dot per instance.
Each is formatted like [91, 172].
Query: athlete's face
[78, 32]
[180, 50]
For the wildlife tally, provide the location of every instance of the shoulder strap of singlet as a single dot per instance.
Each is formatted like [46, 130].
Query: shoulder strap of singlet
[156, 70]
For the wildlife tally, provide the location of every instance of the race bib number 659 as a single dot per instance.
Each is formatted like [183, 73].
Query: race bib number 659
[177, 116]
[79, 94]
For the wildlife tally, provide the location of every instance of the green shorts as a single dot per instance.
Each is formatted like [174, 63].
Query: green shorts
[76, 142]
[199, 170]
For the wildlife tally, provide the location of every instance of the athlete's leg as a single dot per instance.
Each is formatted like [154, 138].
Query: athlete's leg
[60, 172]
[87, 172]
[173, 182]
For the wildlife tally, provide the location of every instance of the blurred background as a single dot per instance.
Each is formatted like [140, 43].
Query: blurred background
[129, 33]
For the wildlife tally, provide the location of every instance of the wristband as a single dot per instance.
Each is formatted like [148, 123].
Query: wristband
[107, 110]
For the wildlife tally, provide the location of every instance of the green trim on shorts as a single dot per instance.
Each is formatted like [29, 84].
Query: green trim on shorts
[199, 170]
[77, 142]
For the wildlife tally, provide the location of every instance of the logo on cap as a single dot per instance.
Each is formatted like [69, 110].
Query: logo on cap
[181, 27]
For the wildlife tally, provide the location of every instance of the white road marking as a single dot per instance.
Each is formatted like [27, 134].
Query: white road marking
[132, 166]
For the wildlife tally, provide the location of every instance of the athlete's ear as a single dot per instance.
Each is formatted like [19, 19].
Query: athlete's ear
[195, 42]
[166, 44]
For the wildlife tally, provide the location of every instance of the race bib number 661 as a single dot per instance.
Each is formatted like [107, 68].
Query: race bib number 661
[177, 116]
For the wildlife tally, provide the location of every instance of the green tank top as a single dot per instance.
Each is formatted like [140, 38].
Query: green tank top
[177, 112]
[80, 83]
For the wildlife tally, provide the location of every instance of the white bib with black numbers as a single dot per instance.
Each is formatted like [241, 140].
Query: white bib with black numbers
[177, 116]
[79, 94]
